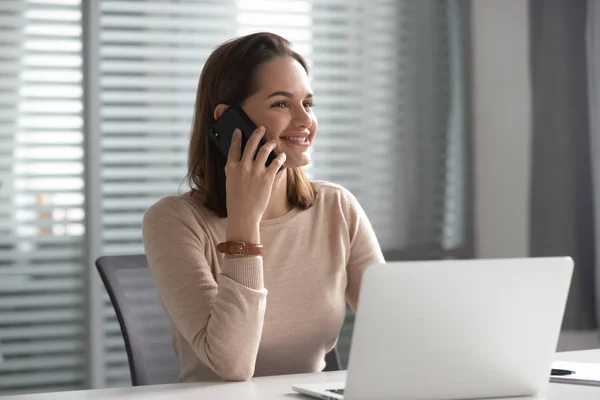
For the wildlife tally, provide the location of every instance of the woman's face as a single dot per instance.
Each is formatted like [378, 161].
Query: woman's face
[283, 104]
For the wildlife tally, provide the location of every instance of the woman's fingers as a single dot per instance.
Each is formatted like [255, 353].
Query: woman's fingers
[235, 150]
[252, 145]
[276, 165]
[263, 153]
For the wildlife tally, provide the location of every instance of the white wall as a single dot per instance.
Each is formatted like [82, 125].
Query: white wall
[501, 124]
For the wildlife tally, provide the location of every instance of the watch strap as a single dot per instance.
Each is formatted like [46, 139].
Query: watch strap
[238, 248]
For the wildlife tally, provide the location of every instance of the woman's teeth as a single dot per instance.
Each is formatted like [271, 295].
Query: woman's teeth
[295, 138]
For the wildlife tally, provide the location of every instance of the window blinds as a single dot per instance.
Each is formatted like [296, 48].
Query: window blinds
[42, 320]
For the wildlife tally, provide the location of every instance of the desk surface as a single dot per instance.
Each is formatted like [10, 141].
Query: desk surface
[279, 387]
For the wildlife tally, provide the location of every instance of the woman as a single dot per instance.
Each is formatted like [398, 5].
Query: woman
[278, 308]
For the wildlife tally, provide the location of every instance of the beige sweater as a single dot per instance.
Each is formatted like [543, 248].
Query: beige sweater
[234, 318]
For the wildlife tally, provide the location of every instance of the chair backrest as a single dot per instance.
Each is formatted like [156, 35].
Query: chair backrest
[144, 323]
[332, 360]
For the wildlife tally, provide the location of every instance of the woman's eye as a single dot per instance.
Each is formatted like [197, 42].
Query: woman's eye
[283, 104]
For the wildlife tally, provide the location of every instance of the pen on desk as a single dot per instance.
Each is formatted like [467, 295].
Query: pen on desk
[561, 372]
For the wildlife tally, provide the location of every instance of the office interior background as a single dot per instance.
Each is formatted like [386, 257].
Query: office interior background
[465, 129]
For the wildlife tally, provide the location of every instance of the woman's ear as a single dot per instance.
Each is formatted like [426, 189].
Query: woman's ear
[219, 110]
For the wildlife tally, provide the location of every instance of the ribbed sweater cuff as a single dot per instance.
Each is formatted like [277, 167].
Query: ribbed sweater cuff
[247, 271]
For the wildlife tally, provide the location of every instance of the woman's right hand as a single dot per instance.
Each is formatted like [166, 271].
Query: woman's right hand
[248, 185]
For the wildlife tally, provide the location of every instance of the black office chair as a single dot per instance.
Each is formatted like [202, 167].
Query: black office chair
[332, 360]
[144, 322]
[142, 318]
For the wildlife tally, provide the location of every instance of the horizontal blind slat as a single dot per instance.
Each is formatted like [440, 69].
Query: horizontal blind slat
[30, 379]
[41, 347]
[41, 364]
[166, 9]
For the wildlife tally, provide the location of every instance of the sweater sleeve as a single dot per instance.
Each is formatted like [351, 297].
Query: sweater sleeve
[220, 317]
[364, 247]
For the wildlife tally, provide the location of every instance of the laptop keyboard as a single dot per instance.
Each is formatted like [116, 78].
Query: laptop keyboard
[336, 391]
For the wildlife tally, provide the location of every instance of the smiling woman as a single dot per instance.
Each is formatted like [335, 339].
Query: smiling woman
[246, 228]
[272, 87]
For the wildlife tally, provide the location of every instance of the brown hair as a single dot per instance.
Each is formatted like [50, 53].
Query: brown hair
[228, 77]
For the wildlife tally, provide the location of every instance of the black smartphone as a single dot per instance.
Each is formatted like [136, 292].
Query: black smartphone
[221, 132]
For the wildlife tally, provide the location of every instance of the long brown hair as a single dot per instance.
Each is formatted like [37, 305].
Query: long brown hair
[228, 77]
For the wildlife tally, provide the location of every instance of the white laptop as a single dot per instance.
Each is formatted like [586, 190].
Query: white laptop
[456, 329]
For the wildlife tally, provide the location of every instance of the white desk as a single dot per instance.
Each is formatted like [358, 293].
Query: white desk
[279, 388]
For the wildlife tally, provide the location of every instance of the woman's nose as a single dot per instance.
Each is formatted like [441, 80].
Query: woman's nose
[302, 118]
